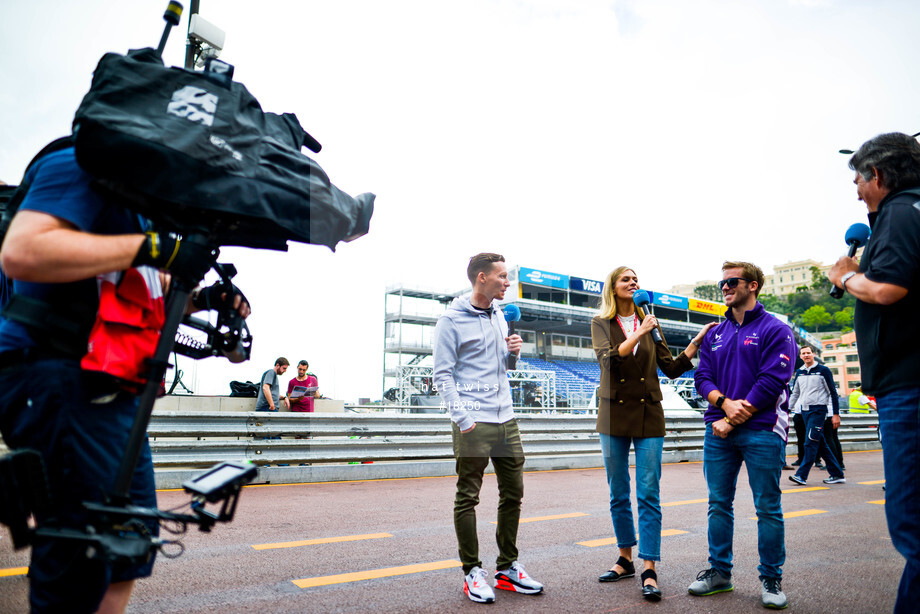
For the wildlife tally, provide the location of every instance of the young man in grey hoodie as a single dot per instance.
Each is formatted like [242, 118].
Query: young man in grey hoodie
[471, 351]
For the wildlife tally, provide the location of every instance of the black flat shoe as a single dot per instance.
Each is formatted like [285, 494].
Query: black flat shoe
[651, 593]
[629, 571]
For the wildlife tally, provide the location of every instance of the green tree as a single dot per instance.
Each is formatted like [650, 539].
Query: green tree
[844, 317]
[816, 316]
[819, 280]
[708, 293]
[800, 301]
[776, 304]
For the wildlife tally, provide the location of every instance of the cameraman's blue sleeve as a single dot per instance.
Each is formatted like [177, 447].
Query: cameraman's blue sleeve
[59, 187]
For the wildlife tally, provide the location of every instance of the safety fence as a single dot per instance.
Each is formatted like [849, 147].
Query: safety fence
[309, 447]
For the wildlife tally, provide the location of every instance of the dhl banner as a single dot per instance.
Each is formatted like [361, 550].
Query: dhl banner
[716, 309]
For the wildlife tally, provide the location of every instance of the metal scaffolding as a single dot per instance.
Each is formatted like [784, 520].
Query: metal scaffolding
[528, 388]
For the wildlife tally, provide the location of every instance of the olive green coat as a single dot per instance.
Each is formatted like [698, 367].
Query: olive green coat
[629, 397]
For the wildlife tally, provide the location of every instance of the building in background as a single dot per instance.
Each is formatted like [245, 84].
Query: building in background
[839, 354]
[787, 278]
[691, 289]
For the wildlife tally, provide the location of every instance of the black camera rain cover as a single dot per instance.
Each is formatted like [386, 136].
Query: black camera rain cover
[196, 154]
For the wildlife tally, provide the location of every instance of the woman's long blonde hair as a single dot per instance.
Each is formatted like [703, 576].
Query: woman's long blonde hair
[609, 298]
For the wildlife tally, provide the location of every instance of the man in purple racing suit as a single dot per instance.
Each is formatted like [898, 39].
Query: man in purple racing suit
[745, 365]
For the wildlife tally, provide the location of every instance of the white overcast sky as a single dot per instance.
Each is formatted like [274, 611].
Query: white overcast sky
[571, 135]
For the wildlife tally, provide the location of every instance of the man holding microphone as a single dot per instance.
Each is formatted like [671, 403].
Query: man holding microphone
[886, 284]
[471, 351]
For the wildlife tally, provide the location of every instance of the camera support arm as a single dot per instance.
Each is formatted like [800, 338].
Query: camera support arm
[176, 303]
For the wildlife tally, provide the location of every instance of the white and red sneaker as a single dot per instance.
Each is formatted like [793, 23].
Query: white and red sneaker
[476, 587]
[516, 579]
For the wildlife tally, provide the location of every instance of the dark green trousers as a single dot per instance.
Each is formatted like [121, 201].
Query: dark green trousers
[502, 444]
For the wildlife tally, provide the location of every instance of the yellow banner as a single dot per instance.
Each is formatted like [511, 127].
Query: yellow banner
[716, 309]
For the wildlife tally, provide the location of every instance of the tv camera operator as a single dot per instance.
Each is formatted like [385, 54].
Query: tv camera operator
[63, 236]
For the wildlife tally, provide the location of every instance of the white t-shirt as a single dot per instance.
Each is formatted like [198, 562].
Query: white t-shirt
[629, 324]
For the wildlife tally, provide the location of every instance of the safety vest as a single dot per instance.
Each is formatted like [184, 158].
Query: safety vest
[855, 406]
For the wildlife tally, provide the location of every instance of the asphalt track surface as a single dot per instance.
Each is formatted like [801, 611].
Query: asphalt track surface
[389, 546]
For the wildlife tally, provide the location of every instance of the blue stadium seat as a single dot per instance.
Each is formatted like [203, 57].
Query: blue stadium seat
[572, 378]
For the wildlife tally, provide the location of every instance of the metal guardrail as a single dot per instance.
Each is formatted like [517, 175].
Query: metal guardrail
[376, 442]
[200, 439]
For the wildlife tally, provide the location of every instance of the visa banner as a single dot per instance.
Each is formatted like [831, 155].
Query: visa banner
[580, 284]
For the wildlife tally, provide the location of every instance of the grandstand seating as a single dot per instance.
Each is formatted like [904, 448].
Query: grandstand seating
[576, 388]
[575, 381]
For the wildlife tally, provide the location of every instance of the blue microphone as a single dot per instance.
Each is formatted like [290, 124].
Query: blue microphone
[641, 299]
[856, 237]
[512, 315]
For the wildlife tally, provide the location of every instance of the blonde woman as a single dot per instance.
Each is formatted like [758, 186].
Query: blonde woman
[630, 413]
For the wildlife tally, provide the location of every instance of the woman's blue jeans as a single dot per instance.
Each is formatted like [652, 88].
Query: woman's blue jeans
[648, 474]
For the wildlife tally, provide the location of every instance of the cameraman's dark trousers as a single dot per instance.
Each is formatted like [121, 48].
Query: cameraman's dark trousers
[81, 430]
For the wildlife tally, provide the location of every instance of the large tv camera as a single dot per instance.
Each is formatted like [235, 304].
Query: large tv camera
[193, 153]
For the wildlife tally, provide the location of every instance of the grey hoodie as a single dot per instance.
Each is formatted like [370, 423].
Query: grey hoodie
[470, 358]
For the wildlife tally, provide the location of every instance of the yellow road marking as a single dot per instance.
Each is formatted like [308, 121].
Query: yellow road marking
[321, 540]
[611, 541]
[670, 532]
[594, 543]
[541, 518]
[375, 573]
[803, 513]
[879, 502]
[692, 501]
[806, 489]
[798, 514]
[872, 482]
[13, 571]
[688, 502]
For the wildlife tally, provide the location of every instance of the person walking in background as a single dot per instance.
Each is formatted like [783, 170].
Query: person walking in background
[831, 430]
[746, 363]
[886, 285]
[471, 350]
[814, 393]
[798, 423]
[630, 414]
